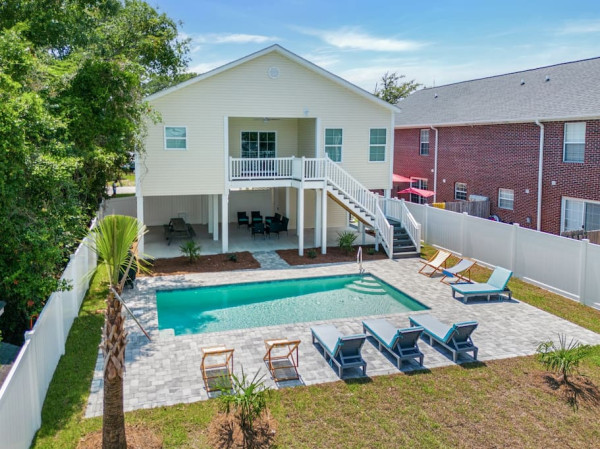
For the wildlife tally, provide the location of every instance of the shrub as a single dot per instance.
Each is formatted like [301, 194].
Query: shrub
[247, 398]
[345, 240]
[232, 257]
[563, 358]
[371, 251]
[190, 249]
[312, 254]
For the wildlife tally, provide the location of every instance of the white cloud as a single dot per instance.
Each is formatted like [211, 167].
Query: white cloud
[581, 27]
[232, 38]
[354, 39]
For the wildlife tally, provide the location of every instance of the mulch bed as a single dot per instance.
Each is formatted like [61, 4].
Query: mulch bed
[138, 437]
[334, 255]
[224, 432]
[204, 264]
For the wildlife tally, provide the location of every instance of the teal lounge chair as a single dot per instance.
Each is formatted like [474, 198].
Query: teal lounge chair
[495, 286]
[400, 343]
[340, 350]
[456, 338]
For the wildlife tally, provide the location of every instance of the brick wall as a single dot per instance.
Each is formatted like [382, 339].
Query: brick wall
[490, 157]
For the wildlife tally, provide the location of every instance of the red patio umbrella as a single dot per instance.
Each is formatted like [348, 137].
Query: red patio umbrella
[420, 192]
[400, 178]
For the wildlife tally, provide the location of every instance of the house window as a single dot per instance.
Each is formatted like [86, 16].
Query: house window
[580, 214]
[574, 147]
[258, 144]
[424, 146]
[333, 144]
[506, 199]
[175, 138]
[418, 184]
[460, 191]
[377, 144]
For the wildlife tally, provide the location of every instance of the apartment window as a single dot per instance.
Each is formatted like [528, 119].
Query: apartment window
[377, 142]
[418, 184]
[175, 138]
[460, 191]
[506, 199]
[258, 144]
[424, 146]
[580, 214]
[333, 144]
[574, 146]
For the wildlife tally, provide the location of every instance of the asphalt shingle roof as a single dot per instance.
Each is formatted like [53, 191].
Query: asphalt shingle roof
[571, 92]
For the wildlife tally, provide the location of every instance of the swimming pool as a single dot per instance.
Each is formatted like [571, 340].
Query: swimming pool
[241, 306]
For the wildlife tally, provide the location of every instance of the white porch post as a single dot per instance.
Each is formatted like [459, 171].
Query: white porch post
[318, 199]
[210, 213]
[287, 202]
[361, 231]
[224, 220]
[324, 221]
[140, 217]
[215, 214]
[300, 222]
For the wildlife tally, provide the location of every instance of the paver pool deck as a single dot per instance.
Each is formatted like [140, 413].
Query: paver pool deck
[166, 370]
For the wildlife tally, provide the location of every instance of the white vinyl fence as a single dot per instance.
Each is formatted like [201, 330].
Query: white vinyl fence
[566, 266]
[24, 389]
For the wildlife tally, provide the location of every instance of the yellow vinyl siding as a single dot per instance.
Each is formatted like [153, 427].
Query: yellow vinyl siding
[247, 91]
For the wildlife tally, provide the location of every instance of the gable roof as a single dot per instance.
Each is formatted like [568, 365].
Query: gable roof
[567, 91]
[276, 48]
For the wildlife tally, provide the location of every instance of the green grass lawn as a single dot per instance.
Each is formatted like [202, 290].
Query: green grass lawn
[503, 403]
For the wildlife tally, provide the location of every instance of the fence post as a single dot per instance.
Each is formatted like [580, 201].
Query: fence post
[463, 233]
[582, 264]
[513, 248]
[425, 226]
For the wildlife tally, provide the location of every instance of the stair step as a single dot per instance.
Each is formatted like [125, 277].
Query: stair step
[406, 255]
[404, 249]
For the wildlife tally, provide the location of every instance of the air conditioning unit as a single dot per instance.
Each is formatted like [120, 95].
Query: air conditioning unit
[478, 198]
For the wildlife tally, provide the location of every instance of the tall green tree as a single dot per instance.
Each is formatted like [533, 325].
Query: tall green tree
[113, 240]
[392, 89]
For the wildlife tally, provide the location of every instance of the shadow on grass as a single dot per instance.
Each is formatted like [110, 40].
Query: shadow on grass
[358, 380]
[70, 387]
[472, 365]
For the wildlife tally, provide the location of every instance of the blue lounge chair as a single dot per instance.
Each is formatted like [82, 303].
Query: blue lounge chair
[456, 338]
[400, 343]
[495, 286]
[454, 273]
[341, 350]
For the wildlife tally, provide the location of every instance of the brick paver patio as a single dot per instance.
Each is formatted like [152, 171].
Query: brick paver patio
[166, 370]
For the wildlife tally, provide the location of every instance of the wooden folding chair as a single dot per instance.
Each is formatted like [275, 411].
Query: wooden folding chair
[216, 375]
[435, 263]
[282, 357]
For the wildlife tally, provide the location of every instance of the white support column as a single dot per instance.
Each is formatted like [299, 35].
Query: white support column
[323, 221]
[215, 214]
[224, 220]
[300, 222]
[361, 231]
[318, 208]
[210, 213]
[287, 202]
[140, 217]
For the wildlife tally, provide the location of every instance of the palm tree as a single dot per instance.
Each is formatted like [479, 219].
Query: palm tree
[113, 241]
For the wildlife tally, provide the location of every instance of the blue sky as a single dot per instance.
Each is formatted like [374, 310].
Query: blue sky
[434, 42]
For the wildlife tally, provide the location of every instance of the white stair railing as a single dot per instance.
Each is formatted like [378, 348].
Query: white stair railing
[397, 210]
[386, 231]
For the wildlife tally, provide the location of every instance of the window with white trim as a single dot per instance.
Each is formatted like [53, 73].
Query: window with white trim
[333, 144]
[419, 183]
[175, 138]
[580, 214]
[424, 143]
[506, 199]
[460, 191]
[377, 142]
[259, 144]
[574, 144]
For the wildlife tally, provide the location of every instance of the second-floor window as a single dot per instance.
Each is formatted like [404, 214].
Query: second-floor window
[574, 146]
[506, 199]
[377, 143]
[175, 138]
[460, 191]
[333, 144]
[258, 144]
[424, 144]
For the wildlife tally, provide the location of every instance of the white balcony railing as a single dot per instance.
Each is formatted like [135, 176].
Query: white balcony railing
[260, 168]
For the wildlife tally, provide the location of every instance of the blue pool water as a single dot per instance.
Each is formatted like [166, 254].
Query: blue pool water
[240, 306]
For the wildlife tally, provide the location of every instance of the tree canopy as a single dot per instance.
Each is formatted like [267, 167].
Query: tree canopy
[72, 82]
[392, 89]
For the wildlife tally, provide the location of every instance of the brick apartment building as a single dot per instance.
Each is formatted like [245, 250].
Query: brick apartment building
[490, 137]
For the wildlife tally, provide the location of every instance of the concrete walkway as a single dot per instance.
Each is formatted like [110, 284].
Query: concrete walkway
[166, 370]
[270, 260]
